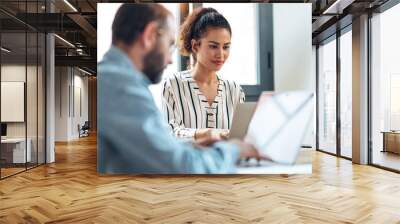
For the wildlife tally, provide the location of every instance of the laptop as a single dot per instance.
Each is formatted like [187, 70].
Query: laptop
[278, 125]
[241, 119]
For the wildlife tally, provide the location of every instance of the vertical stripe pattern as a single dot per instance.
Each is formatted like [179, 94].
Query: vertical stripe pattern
[186, 109]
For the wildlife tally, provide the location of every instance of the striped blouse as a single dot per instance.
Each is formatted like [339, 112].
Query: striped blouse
[187, 109]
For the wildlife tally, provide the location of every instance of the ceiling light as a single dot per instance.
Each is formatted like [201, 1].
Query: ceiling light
[86, 72]
[65, 41]
[337, 7]
[70, 5]
[5, 50]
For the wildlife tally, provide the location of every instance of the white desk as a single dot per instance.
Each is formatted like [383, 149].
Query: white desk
[303, 165]
[276, 169]
[18, 149]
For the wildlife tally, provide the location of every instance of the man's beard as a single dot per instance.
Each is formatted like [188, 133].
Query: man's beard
[153, 65]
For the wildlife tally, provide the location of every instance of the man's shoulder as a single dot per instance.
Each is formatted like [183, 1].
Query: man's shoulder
[115, 62]
[111, 67]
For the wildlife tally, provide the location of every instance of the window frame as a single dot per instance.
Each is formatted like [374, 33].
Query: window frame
[379, 10]
[28, 29]
[333, 37]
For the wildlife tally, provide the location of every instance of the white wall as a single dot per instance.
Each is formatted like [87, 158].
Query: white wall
[70, 83]
[14, 73]
[80, 103]
[292, 47]
[61, 103]
[17, 73]
[33, 126]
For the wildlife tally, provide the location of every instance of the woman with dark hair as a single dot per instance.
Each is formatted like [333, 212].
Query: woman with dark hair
[197, 102]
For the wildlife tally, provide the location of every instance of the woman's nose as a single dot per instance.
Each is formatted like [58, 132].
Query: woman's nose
[220, 52]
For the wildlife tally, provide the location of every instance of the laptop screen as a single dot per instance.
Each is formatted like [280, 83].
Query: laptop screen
[279, 124]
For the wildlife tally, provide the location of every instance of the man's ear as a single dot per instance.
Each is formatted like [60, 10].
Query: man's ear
[149, 35]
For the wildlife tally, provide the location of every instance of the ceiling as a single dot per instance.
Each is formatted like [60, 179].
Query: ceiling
[329, 16]
[75, 43]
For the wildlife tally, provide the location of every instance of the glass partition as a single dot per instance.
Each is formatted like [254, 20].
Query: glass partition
[346, 94]
[14, 153]
[385, 85]
[327, 97]
[22, 90]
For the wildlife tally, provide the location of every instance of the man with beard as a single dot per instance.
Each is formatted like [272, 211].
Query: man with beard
[132, 136]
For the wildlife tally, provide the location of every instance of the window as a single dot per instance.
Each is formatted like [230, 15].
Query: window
[22, 78]
[241, 69]
[346, 93]
[385, 87]
[394, 101]
[327, 96]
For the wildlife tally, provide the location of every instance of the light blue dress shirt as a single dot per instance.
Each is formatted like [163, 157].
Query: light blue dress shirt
[132, 136]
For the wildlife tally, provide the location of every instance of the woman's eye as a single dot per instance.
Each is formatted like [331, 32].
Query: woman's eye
[213, 47]
[226, 47]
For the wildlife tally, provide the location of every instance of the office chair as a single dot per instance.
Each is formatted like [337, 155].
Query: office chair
[84, 130]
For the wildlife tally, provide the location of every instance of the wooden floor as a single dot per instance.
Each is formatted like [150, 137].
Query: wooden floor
[5, 172]
[10, 171]
[386, 159]
[70, 191]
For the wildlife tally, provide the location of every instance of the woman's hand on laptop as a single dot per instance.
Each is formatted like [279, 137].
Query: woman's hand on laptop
[209, 136]
[206, 136]
[224, 133]
[247, 150]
